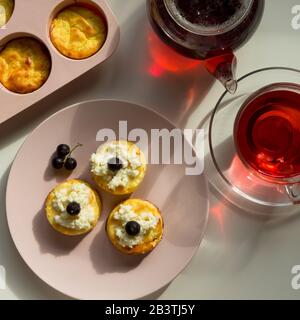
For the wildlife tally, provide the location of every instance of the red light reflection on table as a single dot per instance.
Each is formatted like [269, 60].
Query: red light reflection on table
[218, 212]
[155, 71]
[166, 59]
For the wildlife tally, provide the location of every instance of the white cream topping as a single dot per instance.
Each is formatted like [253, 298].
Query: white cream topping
[130, 159]
[81, 194]
[146, 220]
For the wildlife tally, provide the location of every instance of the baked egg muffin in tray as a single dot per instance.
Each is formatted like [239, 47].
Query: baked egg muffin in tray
[42, 54]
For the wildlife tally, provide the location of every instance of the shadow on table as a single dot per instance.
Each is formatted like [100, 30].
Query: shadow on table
[235, 230]
[155, 295]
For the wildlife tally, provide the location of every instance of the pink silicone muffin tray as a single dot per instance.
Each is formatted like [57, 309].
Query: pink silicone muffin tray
[32, 18]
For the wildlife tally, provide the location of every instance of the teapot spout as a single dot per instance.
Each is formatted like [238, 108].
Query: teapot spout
[231, 86]
[223, 68]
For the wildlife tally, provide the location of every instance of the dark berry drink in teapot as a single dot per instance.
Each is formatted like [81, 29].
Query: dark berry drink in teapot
[267, 132]
[207, 30]
[203, 29]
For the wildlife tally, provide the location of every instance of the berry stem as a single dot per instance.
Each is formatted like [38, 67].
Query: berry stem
[72, 150]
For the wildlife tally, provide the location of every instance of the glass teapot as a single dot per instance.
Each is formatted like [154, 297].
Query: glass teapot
[208, 30]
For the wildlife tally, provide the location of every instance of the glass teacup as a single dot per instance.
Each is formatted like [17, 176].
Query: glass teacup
[267, 135]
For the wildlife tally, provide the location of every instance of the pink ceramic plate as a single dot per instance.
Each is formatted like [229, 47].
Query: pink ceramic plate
[89, 267]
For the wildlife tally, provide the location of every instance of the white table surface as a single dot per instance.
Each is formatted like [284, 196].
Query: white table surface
[241, 257]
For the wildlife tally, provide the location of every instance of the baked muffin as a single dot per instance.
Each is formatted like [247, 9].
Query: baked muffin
[135, 227]
[78, 32]
[73, 208]
[118, 167]
[6, 11]
[25, 65]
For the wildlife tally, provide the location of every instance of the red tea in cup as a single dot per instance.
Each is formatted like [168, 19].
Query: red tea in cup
[267, 132]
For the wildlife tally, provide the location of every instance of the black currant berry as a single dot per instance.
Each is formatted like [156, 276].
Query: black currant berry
[73, 208]
[133, 228]
[115, 164]
[57, 163]
[63, 150]
[70, 164]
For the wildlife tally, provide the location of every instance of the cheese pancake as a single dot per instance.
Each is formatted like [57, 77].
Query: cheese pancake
[69, 193]
[135, 227]
[118, 167]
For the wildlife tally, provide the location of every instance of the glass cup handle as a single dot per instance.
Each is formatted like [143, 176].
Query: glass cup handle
[223, 68]
[292, 193]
